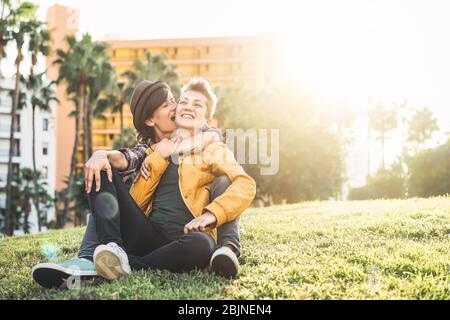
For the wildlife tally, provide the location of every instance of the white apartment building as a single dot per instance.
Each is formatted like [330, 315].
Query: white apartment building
[45, 145]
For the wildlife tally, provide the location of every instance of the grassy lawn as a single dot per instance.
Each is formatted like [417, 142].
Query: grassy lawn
[387, 249]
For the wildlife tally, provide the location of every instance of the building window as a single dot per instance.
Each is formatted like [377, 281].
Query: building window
[16, 169]
[17, 124]
[16, 148]
[45, 124]
[2, 201]
[44, 172]
[3, 172]
[5, 123]
[6, 98]
[4, 147]
[45, 148]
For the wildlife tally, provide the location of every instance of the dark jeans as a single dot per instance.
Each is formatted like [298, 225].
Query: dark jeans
[117, 218]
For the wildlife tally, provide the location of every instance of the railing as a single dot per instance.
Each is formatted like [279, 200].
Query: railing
[5, 127]
[5, 153]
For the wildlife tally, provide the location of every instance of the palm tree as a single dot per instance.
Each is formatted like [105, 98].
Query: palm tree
[128, 139]
[118, 94]
[153, 68]
[42, 94]
[73, 161]
[26, 192]
[382, 121]
[98, 86]
[402, 111]
[79, 68]
[21, 26]
[22, 195]
[39, 43]
[421, 127]
[4, 27]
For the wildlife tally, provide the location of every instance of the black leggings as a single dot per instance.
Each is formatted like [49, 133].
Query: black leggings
[119, 219]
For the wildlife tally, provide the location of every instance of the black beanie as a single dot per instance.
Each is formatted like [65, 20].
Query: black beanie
[139, 99]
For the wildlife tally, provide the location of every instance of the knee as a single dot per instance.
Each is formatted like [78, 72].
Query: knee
[220, 184]
[202, 247]
[103, 179]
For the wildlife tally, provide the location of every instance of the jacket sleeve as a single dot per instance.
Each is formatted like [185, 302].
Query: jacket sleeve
[142, 190]
[239, 195]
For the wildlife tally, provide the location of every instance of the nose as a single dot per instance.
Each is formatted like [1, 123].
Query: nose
[188, 108]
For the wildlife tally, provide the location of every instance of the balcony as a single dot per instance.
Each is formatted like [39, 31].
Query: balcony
[4, 152]
[5, 109]
[5, 127]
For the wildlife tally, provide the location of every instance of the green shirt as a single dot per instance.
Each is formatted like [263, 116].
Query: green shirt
[169, 212]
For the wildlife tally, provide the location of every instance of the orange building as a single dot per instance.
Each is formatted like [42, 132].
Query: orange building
[61, 22]
[220, 60]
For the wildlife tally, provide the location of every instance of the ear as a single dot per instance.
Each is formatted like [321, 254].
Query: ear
[150, 122]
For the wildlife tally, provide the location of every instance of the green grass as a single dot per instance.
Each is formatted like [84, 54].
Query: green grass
[387, 249]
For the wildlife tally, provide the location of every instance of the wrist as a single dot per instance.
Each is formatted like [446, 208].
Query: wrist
[108, 155]
[101, 154]
[117, 159]
[213, 224]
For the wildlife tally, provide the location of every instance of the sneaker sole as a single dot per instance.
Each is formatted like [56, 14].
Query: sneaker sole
[224, 266]
[108, 265]
[50, 275]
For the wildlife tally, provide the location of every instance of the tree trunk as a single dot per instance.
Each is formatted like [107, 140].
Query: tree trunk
[26, 211]
[3, 9]
[368, 150]
[35, 182]
[121, 125]
[89, 128]
[85, 121]
[1, 51]
[9, 222]
[382, 152]
[2, 38]
[73, 163]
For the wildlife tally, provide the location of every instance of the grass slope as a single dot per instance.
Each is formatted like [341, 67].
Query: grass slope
[386, 249]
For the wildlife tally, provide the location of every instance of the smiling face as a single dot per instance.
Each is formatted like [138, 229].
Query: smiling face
[163, 117]
[191, 111]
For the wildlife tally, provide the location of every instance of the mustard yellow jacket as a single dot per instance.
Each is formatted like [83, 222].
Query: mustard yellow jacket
[196, 174]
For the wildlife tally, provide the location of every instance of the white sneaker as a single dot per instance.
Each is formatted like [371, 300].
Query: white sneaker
[225, 262]
[111, 261]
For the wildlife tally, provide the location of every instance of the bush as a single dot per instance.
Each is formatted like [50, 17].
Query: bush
[429, 172]
[385, 184]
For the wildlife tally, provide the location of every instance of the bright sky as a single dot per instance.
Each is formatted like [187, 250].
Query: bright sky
[345, 51]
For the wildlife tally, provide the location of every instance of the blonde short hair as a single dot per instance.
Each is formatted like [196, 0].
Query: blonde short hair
[204, 87]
